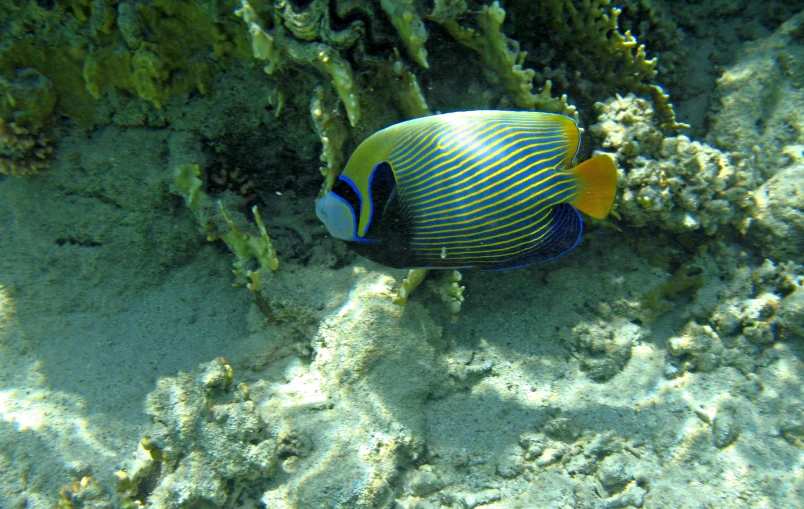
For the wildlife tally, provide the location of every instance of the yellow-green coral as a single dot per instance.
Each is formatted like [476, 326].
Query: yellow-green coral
[408, 92]
[410, 283]
[177, 48]
[153, 50]
[342, 79]
[27, 104]
[606, 54]
[502, 55]
[332, 133]
[246, 247]
[452, 291]
[278, 47]
[449, 289]
[150, 74]
[409, 25]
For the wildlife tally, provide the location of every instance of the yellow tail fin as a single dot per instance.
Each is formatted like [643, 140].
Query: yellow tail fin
[598, 178]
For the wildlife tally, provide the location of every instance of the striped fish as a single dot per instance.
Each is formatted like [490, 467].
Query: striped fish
[485, 189]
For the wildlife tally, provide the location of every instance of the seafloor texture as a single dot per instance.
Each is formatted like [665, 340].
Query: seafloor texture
[657, 365]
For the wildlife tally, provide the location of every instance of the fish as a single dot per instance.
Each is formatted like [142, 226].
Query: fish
[485, 189]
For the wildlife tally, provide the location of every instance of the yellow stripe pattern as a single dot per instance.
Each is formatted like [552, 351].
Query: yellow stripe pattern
[482, 188]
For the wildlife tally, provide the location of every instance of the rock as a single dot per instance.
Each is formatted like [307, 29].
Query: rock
[777, 226]
[511, 463]
[725, 429]
[613, 473]
[424, 482]
[791, 314]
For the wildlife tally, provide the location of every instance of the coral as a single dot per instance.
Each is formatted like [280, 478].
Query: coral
[85, 492]
[698, 348]
[739, 311]
[679, 184]
[28, 99]
[791, 314]
[168, 49]
[582, 50]
[408, 92]
[332, 133]
[604, 348]
[452, 292]
[215, 441]
[155, 51]
[684, 185]
[448, 289]
[132, 479]
[216, 224]
[21, 151]
[501, 54]
[340, 439]
[686, 279]
[414, 278]
[408, 23]
[777, 219]
[27, 104]
[759, 101]
[299, 47]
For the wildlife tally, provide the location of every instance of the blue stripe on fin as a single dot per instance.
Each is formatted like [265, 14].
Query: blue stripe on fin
[565, 233]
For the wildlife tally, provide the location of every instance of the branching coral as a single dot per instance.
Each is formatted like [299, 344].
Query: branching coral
[332, 133]
[409, 24]
[217, 224]
[499, 53]
[584, 52]
[286, 45]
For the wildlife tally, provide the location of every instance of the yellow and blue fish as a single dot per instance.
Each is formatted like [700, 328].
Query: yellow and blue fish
[485, 189]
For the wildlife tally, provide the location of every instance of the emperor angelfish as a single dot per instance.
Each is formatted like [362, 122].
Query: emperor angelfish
[484, 189]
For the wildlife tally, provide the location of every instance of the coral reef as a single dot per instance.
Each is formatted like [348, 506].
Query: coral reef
[215, 442]
[22, 152]
[777, 220]
[647, 363]
[337, 439]
[154, 51]
[753, 183]
[679, 184]
[586, 36]
[737, 316]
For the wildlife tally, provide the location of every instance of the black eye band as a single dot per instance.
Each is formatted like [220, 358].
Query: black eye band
[345, 189]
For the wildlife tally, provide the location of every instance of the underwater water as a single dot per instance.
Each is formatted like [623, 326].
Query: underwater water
[178, 329]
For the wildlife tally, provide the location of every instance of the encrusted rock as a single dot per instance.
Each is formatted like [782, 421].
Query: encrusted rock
[725, 428]
[791, 314]
[777, 226]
